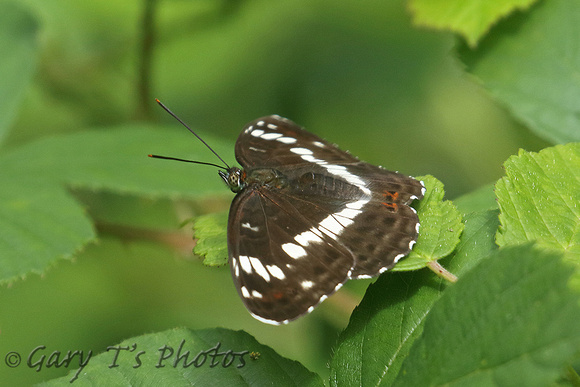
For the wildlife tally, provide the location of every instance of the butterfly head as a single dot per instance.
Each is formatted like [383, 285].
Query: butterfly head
[234, 178]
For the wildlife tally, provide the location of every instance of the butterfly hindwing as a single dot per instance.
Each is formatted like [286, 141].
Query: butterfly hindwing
[377, 226]
[388, 227]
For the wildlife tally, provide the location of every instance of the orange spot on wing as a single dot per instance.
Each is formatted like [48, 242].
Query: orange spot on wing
[391, 195]
[391, 206]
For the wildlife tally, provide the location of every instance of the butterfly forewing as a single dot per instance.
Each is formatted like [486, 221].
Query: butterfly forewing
[310, 216]
[271, 245]
[275, 142]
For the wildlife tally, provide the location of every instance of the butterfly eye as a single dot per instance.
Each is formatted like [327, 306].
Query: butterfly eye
[234, 178]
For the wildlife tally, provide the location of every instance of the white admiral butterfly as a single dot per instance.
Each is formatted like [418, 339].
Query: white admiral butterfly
[307, 217]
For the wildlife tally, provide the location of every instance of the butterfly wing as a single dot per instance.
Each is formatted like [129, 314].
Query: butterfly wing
[268, 142]
[371, 217]
[387, 227]
[278, 278]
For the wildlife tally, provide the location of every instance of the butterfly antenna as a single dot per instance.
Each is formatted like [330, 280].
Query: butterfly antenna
[188, 161]
[195, 134]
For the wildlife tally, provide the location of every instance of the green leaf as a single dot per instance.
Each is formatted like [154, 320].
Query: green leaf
[182, 357]
[390, 317]
[39, 221]
[539, 198]
[116, 159]
[478, 239]
[19, 53]
[210, 231]
[471, 19]
[531, 63]
[512, 320]
[38, 225]
[440, 228]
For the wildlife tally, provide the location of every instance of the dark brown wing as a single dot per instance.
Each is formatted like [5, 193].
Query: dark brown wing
[282, 265]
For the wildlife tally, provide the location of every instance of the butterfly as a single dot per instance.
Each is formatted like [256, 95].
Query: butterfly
[307, 217]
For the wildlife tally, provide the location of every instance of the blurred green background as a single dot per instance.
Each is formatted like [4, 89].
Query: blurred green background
[357, 74]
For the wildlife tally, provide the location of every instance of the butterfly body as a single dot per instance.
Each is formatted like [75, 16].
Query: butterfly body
[307, 217]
